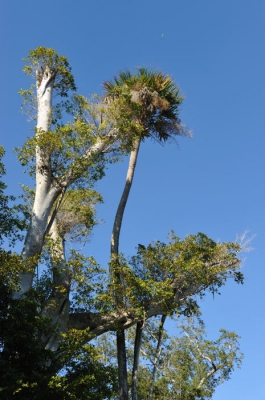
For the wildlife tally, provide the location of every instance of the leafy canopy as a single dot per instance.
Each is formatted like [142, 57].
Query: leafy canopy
[41, 58]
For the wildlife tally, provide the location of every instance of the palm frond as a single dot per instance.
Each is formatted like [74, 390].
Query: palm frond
[158, 98]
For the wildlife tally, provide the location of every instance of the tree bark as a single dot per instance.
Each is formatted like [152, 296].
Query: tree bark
[157, 355]
[122, 365]
[121, 349]
[136, 355]
[45, 194]
[58, 305]
[123, 201]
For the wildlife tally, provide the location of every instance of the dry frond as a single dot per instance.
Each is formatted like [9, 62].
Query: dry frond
[244, 240]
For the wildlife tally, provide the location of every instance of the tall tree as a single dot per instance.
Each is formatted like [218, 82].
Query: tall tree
[63, 155]
[50, 318]
[153, 101]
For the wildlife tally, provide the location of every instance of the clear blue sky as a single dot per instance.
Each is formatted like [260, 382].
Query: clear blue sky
[213, 183]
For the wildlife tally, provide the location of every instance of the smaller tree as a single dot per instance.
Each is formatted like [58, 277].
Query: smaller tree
[190, 366]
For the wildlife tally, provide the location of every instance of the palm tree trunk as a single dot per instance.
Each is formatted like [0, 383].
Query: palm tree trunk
[122, 365]
[157, 355]
[123, 201]
[136, 355]
[121, 348]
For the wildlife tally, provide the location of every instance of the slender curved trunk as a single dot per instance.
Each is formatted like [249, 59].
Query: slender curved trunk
[123, 201]
[157, 355]
[121, 348]
[136, 355]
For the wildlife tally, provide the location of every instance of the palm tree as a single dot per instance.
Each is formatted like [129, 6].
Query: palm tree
[152, 102]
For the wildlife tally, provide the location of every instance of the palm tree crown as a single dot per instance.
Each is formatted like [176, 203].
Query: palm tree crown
[153, 99]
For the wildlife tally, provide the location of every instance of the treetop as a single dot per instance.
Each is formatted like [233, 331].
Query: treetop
[42, 58]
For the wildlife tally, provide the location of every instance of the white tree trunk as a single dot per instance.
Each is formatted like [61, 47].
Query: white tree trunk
[45, 194]
[47, 190]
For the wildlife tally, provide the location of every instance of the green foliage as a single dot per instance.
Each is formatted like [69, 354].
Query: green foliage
[166, 275]
[88, 282]
[85, 377]
[29, 102]
[192, 366]
[43, 57]
[152, 99]
[111, 119]
[76, 215]
[39, 62]
[67, 144]
[24, 359]
[29, 371]
[11, 224]
[11, 231]
[11, 265]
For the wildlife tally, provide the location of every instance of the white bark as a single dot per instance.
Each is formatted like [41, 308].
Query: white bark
[47, 189]
[45, 85]
[35, 237]
[45, 194]
[76, 170]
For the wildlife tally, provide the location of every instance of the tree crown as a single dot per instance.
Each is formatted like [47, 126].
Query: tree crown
[40, 59]
[153, 99]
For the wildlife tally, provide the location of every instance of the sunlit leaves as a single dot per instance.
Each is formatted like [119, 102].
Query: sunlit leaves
[76, 215]
[11, 223]
[166, 278]
[40, 58]
[152, 99]
[194, 365]
[65, 146]
[167, 275]
[88, 280]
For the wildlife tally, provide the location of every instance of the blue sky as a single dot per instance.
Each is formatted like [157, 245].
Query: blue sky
[213, 183]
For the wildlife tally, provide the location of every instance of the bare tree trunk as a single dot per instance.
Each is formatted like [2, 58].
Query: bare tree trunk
[121, 348]
[157, 355]
[123, 201]
[122, 365]
[136, 355]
